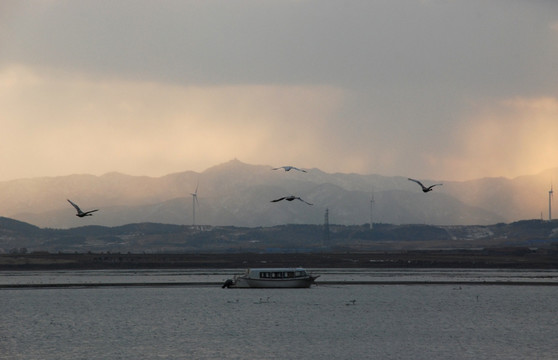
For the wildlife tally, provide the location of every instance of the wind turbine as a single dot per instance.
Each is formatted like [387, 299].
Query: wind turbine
[550, 195]
[194, 204]
[371, 210]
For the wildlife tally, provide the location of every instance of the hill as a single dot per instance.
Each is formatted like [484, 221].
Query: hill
[20, 238]
[239, 194]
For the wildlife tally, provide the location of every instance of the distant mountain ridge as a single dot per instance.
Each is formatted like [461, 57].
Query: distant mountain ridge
[239, 194]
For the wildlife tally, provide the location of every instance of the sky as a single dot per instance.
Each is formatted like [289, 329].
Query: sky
[430, 89]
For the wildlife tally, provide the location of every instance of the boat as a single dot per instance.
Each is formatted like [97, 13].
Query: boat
[272, 278]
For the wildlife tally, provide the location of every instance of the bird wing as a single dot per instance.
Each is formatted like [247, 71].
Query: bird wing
[288, 168]
[306, 202]
[418, 182]
[75, 206]
[90, 211]
[431, 186]
[281, 198]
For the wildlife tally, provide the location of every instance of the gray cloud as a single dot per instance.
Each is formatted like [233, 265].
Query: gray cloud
[390, 45]
[414, 71]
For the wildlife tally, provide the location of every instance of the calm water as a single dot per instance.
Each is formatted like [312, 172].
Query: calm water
[325, 321]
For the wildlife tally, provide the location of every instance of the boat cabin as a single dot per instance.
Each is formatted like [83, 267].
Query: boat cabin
[276, 273]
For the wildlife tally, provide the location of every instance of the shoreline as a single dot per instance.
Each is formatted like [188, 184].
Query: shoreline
[471, 259]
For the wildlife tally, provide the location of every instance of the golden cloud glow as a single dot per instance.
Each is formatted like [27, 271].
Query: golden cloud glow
[57, 124]
[514, 137]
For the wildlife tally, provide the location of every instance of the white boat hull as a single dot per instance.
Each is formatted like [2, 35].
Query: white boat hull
[272, 278]
[242, 282]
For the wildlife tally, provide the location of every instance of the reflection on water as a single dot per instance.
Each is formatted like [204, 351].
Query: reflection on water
[325, 321]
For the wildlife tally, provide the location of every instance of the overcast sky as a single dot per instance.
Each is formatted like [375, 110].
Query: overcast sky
[446, 90]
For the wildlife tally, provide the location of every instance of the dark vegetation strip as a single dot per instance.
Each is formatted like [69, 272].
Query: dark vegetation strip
[505, 258]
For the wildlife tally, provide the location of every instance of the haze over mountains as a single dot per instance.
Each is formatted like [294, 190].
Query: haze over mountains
[239, 194]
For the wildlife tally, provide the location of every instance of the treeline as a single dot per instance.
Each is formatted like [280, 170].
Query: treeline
[492, 258]
[20, 238]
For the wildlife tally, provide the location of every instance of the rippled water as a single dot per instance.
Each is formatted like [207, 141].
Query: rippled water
[325, 321]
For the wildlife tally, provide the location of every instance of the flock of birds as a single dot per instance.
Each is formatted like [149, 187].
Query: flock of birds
[425, 189]
[292, 197]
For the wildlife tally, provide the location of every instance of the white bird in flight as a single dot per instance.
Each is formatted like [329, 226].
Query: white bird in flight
[424, 188]
[291, 198]
[81, 213]
[289, 168]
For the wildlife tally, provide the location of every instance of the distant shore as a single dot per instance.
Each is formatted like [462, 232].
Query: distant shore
[513, 258]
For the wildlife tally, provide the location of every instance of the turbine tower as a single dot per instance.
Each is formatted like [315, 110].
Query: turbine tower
[194, 204]
[550, 195]
[371, 210]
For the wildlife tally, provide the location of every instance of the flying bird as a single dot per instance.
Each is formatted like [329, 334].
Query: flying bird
[424, 188]
[289, 168]
[291, 198]
[81, 213]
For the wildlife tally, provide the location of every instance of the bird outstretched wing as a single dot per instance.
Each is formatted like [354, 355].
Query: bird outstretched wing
[424, 188]
[418, 182]
[289, 168]
[304, 201]
[79, 212]
[291, 198]
[75, 206]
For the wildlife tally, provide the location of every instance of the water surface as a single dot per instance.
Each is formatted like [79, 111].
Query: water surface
[325, 321]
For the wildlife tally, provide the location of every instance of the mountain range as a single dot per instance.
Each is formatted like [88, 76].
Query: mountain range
[239, 194]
